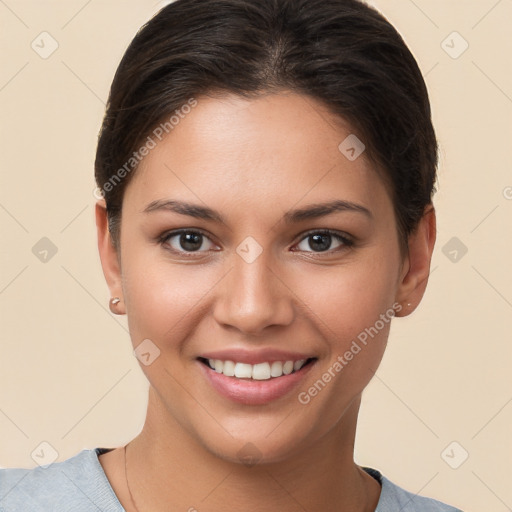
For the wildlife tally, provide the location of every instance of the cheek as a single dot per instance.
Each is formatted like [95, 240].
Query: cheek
[162, 296]
[349, 299]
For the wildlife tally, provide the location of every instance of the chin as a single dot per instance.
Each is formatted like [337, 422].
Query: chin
[257, 445]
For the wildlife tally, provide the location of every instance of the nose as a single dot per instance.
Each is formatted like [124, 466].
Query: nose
[252, 297]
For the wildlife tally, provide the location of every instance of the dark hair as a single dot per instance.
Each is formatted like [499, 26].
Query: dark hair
[343, 53]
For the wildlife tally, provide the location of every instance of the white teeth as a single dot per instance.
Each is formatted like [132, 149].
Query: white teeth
[298, 364]
[229, 368]
[260, 371]
[243, 370]
[276, 370]
[288, 367]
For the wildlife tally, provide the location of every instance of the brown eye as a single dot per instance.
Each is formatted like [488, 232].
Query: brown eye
[321, 241]
[185, 241]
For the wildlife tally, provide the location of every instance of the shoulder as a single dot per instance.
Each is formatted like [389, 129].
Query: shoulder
[394, 498]
[77, 483]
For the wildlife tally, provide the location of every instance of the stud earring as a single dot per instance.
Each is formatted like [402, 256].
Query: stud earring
[114, 301]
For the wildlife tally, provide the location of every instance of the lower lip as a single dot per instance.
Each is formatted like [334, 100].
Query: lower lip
[254, 392]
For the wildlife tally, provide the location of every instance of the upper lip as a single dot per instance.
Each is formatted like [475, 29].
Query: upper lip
[267, 355]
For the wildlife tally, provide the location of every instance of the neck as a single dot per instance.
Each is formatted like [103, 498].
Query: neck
[169, 468]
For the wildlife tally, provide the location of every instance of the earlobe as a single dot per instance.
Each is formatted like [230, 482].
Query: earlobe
[413, 280]
[109, 259]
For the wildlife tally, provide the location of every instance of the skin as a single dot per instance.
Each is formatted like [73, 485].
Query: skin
[253, 160]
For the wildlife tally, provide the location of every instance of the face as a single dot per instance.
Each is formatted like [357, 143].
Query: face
[249, 277]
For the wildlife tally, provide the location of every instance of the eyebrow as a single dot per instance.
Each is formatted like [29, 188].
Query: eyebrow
[311, 211]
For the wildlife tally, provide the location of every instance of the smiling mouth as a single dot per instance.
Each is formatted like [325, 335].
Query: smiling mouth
[260, 371]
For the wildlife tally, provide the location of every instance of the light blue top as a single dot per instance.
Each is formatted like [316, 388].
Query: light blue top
[79, 484]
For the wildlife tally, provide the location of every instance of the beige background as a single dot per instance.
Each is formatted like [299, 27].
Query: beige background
[67, 373]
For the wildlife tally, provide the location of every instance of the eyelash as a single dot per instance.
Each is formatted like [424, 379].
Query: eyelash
[345, 239]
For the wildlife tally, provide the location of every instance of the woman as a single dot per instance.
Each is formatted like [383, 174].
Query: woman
[266, 172]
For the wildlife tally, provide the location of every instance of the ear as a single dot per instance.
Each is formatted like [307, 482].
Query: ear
[110, 260]
[416, 268]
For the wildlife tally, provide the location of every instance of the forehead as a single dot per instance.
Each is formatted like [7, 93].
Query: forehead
[276, 148]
